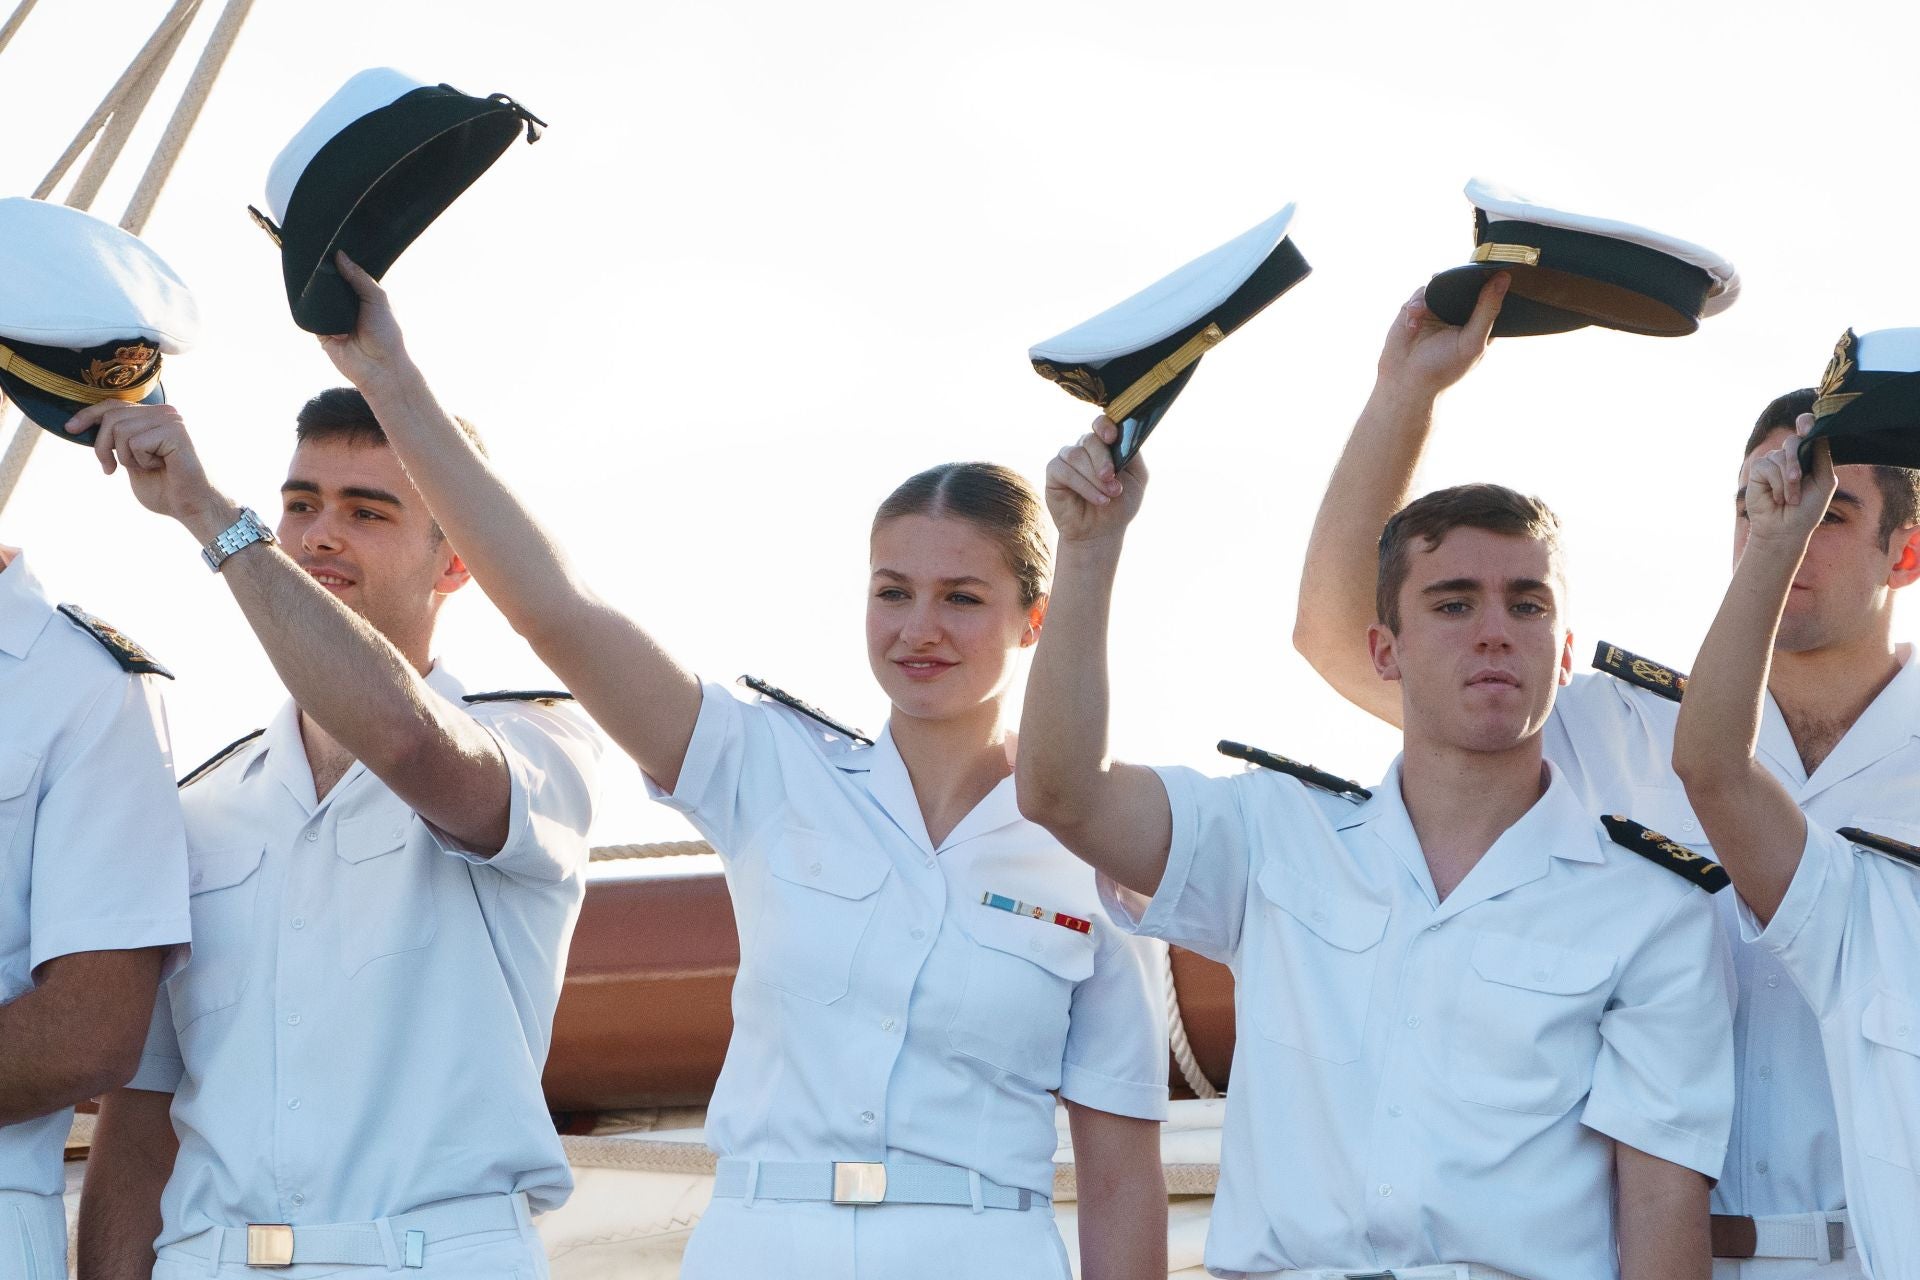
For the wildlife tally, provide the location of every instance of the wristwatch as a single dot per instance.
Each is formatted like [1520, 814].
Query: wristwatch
[243, 532]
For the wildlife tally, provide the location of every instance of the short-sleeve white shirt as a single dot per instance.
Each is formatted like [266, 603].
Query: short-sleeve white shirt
[882, 1010]
[362, 1027]
[91, 852]
[1420, 1081]
[1849, 933]
[1615, 744]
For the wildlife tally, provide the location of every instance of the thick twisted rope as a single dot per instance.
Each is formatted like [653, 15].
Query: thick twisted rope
[1177, 1036]
[664, 849]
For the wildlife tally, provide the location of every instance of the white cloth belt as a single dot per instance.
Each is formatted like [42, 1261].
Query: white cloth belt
[1818, 1237]
[1441, 1271]
[397, 1242]
[865, 1183]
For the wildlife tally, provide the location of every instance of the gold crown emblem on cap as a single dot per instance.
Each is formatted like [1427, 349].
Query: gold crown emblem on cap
[128, 366]
[1830, 397]
[1081, 384]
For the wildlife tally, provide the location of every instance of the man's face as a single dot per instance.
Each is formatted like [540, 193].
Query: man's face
[1844, 588]
[350, 517]
[1481, 648]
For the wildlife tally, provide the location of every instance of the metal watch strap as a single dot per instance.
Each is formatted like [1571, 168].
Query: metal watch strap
[243, 532]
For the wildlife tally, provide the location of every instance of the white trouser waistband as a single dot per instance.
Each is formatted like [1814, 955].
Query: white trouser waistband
[865, 1183]
[1439, 1271]
[399, 1241]
[1816, 1237]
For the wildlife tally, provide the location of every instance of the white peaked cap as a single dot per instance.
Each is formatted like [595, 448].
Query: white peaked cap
[1888, 351]
[1501, 204]
[1170, 304]
[69, 279]
[361, 96]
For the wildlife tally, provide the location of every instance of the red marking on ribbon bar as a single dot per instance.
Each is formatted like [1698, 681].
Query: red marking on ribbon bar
[1074, 923]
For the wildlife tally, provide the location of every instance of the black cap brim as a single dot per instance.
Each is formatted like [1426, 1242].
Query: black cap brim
[53, 412]
[1542, 300]
[1880, 429]
[376, 185]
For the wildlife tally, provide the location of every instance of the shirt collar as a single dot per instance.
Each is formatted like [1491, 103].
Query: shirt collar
[1890, 721]
[24, 607]
[892, 788]
[1557, 826]
[284, 752]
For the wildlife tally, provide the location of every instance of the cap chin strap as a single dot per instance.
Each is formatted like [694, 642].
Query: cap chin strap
[66, 388]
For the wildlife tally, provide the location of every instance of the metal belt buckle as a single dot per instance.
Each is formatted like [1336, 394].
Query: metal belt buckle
[1836, 1241]
[859, 1182]
[1370, 1275]
[269, 1244]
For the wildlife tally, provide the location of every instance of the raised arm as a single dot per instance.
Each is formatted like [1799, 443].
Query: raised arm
[1422, 357]
[336, 665]
[1113, 816]
[1757, 831]
[646, 701]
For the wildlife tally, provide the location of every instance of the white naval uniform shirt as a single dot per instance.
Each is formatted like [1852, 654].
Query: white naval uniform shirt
[91, 852]
[1419, 1082]
[881, 1010]
[1615, 744]
[1849, 933]
[363, 1024]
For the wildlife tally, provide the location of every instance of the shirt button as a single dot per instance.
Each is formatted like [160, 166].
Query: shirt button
[1396, 1111]
[1433, 928]
[1539, 975]
[197, 878]
[1766, 1073]
[293, 1104]
[293, 1019]
[930, 859]
[1319, 917]
[299, 922]
[1413, 1021]
[1386, 1189]
[298, 1197]
[1773, 979]
[1760, 1166]
[917, 934]
[312, 836]
[813, 868]
[887, 1024]
[866, 1117]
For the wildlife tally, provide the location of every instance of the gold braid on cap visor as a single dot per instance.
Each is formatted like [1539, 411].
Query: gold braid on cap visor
[67, 389]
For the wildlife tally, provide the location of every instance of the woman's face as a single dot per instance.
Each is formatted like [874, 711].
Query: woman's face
[944, 617]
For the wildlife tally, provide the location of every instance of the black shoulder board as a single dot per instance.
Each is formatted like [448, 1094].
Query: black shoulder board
[129, 655]
[806, 709]
[1305, 772]
[1898, 850]
[1671, 854]
[1635, 669]
[519, 695]
[218, 758]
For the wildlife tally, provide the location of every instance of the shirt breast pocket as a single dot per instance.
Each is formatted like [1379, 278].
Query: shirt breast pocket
[223, 884]
[1891, 1025]
[1017, 1003]
[820, 897]
[1316, 957]
[1526, 1030]
[17, 770]
[386, 891]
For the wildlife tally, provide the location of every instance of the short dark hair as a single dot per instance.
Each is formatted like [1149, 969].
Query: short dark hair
[338, 413]
[1899, 486]
[1492, 507]
[994, 499]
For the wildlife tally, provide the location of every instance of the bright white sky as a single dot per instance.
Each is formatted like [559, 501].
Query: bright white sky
[772, 258]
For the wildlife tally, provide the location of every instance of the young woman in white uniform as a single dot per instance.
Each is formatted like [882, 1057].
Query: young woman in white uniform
[921, 968]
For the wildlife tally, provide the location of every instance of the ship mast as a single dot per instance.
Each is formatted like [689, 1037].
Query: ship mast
[107, 131]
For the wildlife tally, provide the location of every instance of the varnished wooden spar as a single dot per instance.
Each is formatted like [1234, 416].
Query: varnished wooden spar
[644, 1016]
